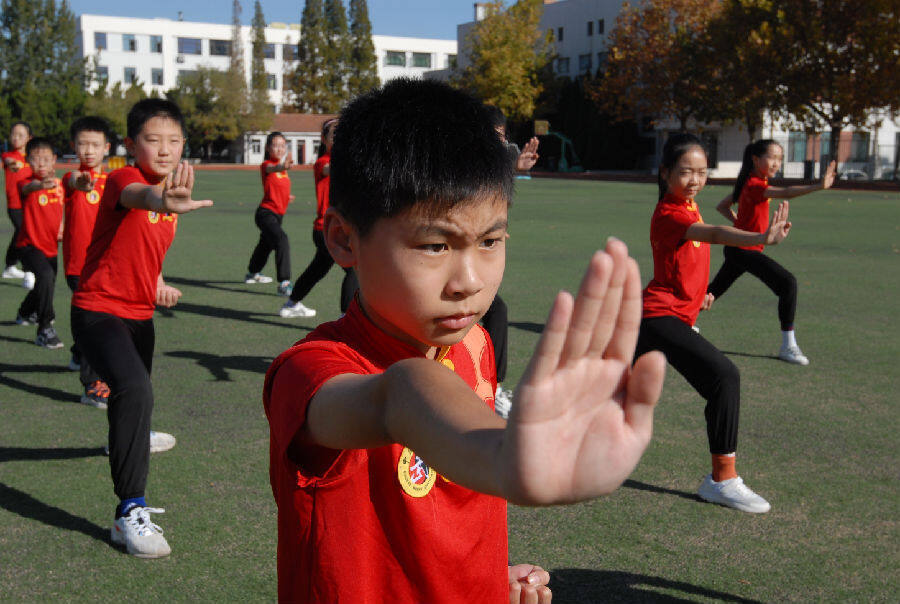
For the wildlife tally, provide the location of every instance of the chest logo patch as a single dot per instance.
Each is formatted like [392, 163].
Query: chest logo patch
[93, 197]
[43, 199]
[416, 478]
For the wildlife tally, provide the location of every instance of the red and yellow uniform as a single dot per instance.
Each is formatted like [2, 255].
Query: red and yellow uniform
[13, 201]
[81, 214]
[376, 525]
[276, 188]
[42, 214]
[323, 182]
[125, 256]
[753, 209]
[680, 266]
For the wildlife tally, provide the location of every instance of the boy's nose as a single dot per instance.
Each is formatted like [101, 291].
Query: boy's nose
[466, 279]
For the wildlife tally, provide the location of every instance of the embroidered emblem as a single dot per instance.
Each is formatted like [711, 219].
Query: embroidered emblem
[93, 198]
[416, 478]
[153, 217]
[43, 199]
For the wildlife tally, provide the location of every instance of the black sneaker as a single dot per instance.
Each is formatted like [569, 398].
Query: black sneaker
[48, 339]
[31, 319]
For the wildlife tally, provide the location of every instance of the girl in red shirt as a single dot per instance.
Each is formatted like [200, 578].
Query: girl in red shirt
[16, 169]
[762, 160]
[677, 293]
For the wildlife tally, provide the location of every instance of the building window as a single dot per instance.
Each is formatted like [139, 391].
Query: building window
[130, 75]
[590, 26]
[421, 59]
[186, 73]
[601, 26]
[289, 52]
[129, 44]
[451, 61]
[256, 146]
[100, 40]
[271, 81]
[156, 44]
[562, 65]
[559, 34]
[102, 73]
[797, 146]
[300, 154]
[859, 147]
[189, 46]
[395, 58]
[220, 48]
[584, 63]
[156, 76]
[269, 51]
[602, 61]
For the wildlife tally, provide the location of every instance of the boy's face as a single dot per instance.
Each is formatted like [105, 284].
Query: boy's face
[427, 280]
[90, 147]
[42, 162]
[18, 136]
[158, 146]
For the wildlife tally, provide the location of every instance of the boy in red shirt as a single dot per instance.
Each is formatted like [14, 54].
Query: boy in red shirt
[16, 169]
[387, 462]
[120, 286]
[37, 243]
[83, 189]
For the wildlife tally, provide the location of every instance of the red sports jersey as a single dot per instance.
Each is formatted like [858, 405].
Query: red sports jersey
[81, 213]
[125, 255]
[13, 202]
[276, 188]
[42, 213]
[753, 209]
[680, 266]
[376, 525]
[322, 183]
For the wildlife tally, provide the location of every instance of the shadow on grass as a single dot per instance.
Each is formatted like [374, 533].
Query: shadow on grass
[583, 586]
[774, 357]
[240, 286]
[219, 312]
[527, 326]
[26, 506]
[45, 391]
[46, 453]
[643, 486]
[12, 339]
[218, 366]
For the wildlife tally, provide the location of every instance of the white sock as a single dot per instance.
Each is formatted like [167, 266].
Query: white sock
[788, 339]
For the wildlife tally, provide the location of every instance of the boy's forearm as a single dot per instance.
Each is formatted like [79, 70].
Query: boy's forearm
[34, 185]
[142, 197]
[794, 191]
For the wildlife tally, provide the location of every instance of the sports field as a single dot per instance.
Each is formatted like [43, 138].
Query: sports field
[819, 442]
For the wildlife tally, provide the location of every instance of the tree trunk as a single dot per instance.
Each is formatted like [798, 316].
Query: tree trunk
[834, 138]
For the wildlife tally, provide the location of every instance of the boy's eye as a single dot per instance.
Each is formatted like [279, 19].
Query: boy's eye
[434, 248]
[490, 243]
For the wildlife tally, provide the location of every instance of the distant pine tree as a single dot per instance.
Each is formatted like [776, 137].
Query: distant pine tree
[363, 75]
[337, 54]
[259, 111]
[309, 81]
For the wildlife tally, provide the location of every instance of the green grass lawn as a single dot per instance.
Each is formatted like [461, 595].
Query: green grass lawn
[819, 442]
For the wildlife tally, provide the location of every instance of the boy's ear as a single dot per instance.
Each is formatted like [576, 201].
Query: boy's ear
[339, 236]
[129, 146]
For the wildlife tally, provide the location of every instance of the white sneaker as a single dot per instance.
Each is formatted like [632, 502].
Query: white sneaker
[695, 328]
[792, 354]
[140, 536]
[732, 493]
[257, 278]
[503, 401]
[161, 441]
[12, 272]
[28, 280]
[290, 310]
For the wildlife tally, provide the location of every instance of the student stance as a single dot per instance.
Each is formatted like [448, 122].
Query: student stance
[387, 461]
[677, 293]
[15, 169]
[762, 160]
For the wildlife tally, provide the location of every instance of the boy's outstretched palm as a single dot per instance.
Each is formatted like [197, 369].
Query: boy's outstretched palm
[583, 416]
[177, 191]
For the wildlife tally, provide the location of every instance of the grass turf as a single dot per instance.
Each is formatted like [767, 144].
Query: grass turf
[814, 440]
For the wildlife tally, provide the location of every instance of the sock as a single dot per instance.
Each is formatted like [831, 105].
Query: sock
[127, 504]
[787, 339]
[723, 467]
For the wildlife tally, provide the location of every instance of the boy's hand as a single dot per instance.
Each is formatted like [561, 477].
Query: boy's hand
[291, 198]
[176, 194]
[779, 226]
[528, 585]
[287, 161]
[708, 300]
[12, 165]
[167, 296]
[48, 183]
[583, 416]
[529, 155]
[83, 181]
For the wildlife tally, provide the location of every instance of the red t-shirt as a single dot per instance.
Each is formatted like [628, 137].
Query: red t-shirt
[322, 183]
[753, 209]
[276, 188]
[42, 213]
[125, 256]
[680, 266]
[81, 214]
[13, 202]
[376, 525]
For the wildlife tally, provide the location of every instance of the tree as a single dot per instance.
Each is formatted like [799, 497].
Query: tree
[257, 114]
[336, 54]
[44, 75]
[211, 107]
[308, 82]
[507, 53]
[113, 103]
[363, 75]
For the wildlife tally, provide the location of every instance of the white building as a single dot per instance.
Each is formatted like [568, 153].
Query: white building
[155, 52]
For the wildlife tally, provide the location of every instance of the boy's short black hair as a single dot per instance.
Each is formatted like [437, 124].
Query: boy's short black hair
[497, 117]
[414, 142]
[147, 109]
[90, 123]
[39, 142]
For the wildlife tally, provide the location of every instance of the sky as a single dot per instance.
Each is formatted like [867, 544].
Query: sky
[409, 18]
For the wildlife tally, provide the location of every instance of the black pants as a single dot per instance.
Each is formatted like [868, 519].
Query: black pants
[88, 375]
[12, 254]
[496, 323]
[40, 299]
[316, 271]
[121, 350]
[271, 237]
[704, 366]
[776, 277]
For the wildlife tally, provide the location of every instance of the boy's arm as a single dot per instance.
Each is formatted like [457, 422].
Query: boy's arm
[529, 155]
[728, 235]
[724, 208]
[582, 418]
[34, 185]
[798, 190]
[286, 164]
[171, 195]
